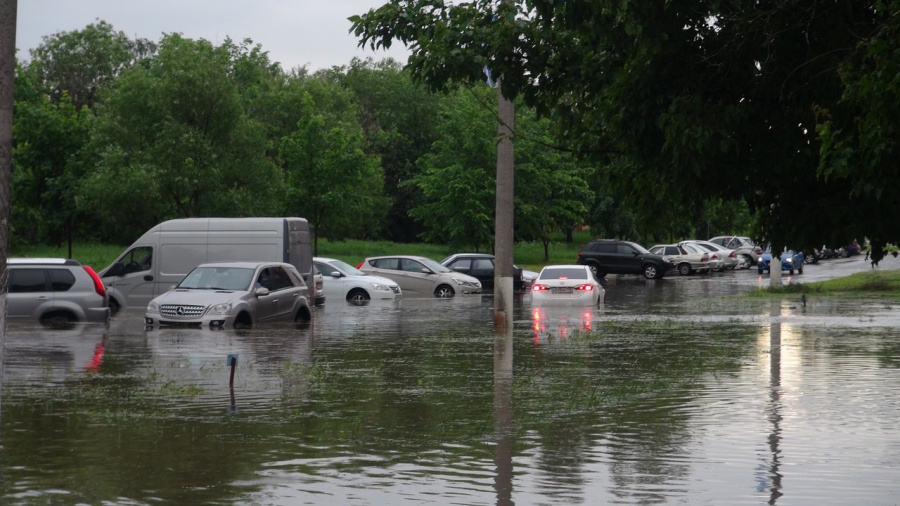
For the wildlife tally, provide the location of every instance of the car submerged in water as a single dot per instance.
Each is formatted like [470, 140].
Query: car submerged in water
[233, 294]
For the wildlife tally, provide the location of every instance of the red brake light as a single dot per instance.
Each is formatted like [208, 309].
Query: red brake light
[98, 283]
[585, 288]
[359, 265]
[539, 288]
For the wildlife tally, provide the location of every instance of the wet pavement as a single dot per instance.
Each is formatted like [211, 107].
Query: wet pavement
[676, 391]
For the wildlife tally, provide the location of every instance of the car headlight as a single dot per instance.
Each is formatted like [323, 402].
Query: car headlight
[220, 309]
[380, 287]
[789, 260]
[153, 307]
[466, 283]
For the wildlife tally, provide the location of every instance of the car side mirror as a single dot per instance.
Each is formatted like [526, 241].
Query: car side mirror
[262, 291]
[336, 274]
[426, 270]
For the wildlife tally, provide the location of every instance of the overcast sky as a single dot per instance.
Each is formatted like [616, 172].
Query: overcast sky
[314, 33]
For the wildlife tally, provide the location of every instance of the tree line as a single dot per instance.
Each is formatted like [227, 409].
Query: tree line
[113, 135]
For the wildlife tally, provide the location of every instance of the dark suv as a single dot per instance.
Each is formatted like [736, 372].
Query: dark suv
[54, 291]
[612, 256]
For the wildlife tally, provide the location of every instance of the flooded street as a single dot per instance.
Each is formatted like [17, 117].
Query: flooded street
[676, 391]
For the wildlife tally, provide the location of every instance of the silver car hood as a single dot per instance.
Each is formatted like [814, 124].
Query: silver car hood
[199, 297]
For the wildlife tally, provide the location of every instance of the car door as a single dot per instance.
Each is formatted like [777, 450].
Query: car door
[628, 259]
[335, 283]
[483, 269]
[28, 291]
[420, 279]
[268, 307]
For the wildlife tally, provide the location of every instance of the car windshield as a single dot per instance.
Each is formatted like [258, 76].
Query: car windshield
[431, 264]
[346, 268]
[217, 278]
[564, 273]
[642, 250]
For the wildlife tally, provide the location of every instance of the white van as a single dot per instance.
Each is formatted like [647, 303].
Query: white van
[169, 251]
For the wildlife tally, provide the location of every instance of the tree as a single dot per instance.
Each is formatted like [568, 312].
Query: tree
[80, 62]
[457, 178]
[330, 180]
[675, 92]
[399, 119]
[173, 137]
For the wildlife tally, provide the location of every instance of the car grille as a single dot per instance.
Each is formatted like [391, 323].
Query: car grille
[181, 311]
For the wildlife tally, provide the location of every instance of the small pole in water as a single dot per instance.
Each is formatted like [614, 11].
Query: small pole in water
[232, 362]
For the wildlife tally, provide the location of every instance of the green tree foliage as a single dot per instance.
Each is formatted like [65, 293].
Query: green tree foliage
[457, 178]
[330, 179]
[400, 120]
[551, 193]
[80, 62]
[174, 138]
[689, 100]
[49, 135]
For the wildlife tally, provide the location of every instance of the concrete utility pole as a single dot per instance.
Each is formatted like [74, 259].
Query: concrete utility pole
[503, 223]
[8, 12]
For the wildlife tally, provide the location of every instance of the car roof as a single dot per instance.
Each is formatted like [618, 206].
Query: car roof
[324, 259]
[412, 257]
[42, 261]
[566, 266]
[246, 265]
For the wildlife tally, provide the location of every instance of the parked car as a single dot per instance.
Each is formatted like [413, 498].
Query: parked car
[418, 275]
[572, 284]
[481, 266]
[720, 257]
[319, 283]
[687, 257]
[744, 248]
[55, 291]
[790, 261]
[612, 256]
[235, 294]
[345, 282]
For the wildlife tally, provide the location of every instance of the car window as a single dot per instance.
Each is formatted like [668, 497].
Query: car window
[387, 263]
[564, 273]
[692, 249]
[325, 269]
[217, 278]
[604, 247]
[61, 279]
[625, 249]
[672, 250]
[656, 250]
[637, 247]
[277, 278]
[484, 264]
[27, 280]
[346, 268]
[462, 264]
[410, 265]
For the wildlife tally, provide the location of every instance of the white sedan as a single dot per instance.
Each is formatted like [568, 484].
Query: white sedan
[345, 282]
[574, 284]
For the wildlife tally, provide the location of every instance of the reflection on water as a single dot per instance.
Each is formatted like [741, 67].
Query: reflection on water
[672, 391]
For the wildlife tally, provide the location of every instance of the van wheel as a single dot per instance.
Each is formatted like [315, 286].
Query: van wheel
[358, 296]
[444, 291]
[242, 321]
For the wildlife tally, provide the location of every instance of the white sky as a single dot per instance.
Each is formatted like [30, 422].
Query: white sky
[314, 33]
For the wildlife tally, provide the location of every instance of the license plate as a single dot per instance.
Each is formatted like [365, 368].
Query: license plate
[562, 290]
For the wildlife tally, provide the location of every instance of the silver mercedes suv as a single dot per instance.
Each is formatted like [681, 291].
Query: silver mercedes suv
[55, 291]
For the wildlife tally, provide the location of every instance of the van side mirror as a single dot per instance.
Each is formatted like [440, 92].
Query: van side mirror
[117, 269]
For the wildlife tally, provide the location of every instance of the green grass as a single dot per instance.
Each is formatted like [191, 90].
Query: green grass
[527, 255]
[861, 283]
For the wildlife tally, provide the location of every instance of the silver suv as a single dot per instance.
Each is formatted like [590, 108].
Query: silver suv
[55, 291]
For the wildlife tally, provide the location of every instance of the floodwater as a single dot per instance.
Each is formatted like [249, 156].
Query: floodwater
[677, 391]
